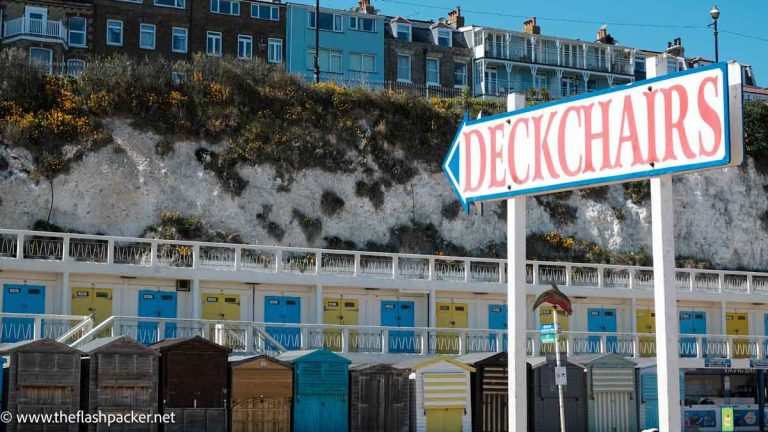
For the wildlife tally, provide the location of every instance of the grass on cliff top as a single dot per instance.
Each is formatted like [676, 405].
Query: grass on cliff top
[263, 114]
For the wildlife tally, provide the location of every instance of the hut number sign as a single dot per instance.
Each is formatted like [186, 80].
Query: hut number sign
[673, 124]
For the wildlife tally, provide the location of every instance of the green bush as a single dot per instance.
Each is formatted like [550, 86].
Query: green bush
[638, 192]
[311, 227]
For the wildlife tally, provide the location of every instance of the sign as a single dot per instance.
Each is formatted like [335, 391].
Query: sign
[548, 338]
[726, 413]
[717, 363]
[758, 363]
[561, 378]
[547, 328]
[684, 122]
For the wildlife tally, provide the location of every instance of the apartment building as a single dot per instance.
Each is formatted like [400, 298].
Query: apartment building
[424, 54]
[351, 43]
[56, 33]
[507, 61]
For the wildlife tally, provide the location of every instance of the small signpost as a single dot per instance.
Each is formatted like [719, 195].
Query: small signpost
[686, 122]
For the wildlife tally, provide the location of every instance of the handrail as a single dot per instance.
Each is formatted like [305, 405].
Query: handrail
[87, 323]
[24, 245]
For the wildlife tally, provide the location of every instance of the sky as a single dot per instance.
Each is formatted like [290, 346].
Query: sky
[646, 24]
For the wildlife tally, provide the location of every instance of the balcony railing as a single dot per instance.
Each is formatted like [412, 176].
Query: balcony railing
[117, 255]
[35, 27]
[274, 338]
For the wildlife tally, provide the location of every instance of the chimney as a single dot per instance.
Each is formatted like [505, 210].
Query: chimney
[675, 48]
[365, 7]
[455, 19]
[529, 26]
[604, 37]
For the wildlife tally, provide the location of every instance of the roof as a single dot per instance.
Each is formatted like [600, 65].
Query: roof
[237, 360]
[596, 359]
[475, 358]
[363, 366]
[167, 344]
[32, 345]
[421, 363]
[101, 344]
[421, 32]
[312, 355]
[537, 362]
[756, 90]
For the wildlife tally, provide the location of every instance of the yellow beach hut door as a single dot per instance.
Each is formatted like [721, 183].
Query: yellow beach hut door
[646, 323]
[445, 399]
[92, 301]
[737, 324]
[451, 315]
[340, 311]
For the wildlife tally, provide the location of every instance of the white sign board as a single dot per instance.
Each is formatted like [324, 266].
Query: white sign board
[561, 378]
[684, 122]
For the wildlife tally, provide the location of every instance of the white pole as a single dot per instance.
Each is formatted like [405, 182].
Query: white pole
[665, 291]
[518, 404]
[560, 394]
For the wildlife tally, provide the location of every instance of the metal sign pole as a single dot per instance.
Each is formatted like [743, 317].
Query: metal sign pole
[665, 290]
[516, 295]
[560, 393]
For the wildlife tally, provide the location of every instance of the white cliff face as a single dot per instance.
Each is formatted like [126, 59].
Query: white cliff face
[122, 188]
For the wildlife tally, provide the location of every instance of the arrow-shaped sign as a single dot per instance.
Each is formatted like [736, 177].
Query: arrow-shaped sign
[689, 121]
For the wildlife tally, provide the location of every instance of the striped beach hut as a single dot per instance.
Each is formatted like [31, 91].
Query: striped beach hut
[490, 397]
[611, 392]
[440, 394]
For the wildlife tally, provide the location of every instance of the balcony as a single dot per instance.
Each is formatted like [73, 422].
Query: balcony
[36, 28]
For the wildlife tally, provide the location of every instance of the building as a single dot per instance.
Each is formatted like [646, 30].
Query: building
[57, 34]
[351, 44]
[543, 66]
[176, 29]
[756, 93]
[428, 56]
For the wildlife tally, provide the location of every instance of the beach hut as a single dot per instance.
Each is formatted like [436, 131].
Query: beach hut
[379, 398]
[489, 391]
[119, 376]
[544, 402]
[440, 394]
[43, 377]
[320, 390]
[648, 394]
[261, 390]
[611, 392]
[193, 384]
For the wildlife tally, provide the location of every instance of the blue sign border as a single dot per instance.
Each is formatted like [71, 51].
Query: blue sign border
[723, 66]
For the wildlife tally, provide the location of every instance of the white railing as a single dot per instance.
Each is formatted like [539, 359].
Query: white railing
[131, 253]
[274, 338]
[34, 27]
[17, 327]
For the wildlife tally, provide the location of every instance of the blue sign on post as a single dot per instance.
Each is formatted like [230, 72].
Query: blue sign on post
[547, 333]
[547, 328]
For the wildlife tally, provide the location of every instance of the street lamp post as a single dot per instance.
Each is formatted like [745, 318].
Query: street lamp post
[715, 14]
[317, 41]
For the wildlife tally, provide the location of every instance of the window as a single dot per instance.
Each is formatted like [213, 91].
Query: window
[404, 32]
[362, 24]
[460, 74]
[75, 67]
[170, 3]
[330, 60]
[433, 71]
[226, 7]
[362, 62]
[444, 37]
[328, 21]
[77, 31]
[245, 47]
[179, 40]
[213, 44]
[265, 12]
[114, 32]
[147, 36]
[42, 58]
[403, 68]
[275, 53]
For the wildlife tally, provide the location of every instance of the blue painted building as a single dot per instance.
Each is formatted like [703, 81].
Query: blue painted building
[351, 43]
